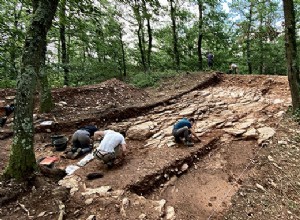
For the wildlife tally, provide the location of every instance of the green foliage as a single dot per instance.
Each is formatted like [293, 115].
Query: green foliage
[7, 83]
[96, 35]
[295, 114]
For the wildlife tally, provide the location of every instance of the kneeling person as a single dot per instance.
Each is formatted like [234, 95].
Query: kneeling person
[183, 129]
[82, 141]
[112, 146]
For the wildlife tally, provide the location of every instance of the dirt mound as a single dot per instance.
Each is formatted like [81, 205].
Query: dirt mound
[84, 101]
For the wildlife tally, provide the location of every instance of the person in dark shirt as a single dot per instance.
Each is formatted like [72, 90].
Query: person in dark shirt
[183, 129]
[82, 141]
[7, 111]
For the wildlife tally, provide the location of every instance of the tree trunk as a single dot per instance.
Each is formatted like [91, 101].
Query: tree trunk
[62, 34]
[248, 41]
[44, 100]
[175, 37]
[261, 45]
[45, 96]
[200, 35]
[22, 162]
[123, 53]
[140, 33]
[291, 52]
[149, 31]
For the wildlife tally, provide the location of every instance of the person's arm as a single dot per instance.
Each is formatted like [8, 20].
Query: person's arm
[194, 134]
[123, 150]
[98, 135]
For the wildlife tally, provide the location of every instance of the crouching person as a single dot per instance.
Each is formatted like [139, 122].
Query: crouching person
[112, 147]
[82, 141]
[182, 131]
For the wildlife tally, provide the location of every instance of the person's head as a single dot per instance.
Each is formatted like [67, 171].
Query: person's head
[123, 133]
[192, 120]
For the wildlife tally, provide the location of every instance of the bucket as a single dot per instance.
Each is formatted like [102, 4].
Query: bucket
[56, 137]
[60, 144]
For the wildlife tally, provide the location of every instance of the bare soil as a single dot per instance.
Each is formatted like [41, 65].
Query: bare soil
[228, 175]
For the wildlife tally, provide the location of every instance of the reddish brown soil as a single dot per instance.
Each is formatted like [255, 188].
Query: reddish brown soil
[217, 169]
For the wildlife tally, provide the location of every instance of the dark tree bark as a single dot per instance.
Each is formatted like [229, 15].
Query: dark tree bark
[261, 46]
[123, 53]
[175, 36]
[248, 41]
[22, 162]
[291, 52]
[62, 35]
[150, 37]
[45, 101]
[45, 96]
[200, 35]
[140, 33]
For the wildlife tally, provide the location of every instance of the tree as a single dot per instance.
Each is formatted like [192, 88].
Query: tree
[12, 21]
[62, 36]
[140, 32]
[22, 162]
[175, 34]
[200, 35]
[291, 52]
[45, 98]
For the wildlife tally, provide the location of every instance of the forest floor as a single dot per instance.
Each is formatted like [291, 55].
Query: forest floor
[245, 167]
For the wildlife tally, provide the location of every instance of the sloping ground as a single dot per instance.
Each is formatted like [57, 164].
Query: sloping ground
[235, 119]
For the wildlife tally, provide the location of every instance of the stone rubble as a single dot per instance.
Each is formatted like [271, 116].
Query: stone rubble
[239, 112]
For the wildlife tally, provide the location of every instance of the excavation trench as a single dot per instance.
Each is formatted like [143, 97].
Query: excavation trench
[149, 183]
[198, 182]
[111, 115]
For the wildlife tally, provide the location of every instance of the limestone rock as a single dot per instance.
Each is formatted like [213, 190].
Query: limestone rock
[265, 133]
[141, 131]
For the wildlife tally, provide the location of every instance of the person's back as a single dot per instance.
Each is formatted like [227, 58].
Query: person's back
[90, 128]
[111, 140]
[112, 146]
[182, 122]
[233, 68]
[183, 129]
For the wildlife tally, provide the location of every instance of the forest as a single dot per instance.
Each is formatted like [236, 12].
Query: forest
[143, 40]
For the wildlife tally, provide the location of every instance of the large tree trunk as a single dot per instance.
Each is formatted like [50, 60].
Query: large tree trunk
[200, 35]
[175, 36]
[22, 162]
[291, 52]
[44, 102]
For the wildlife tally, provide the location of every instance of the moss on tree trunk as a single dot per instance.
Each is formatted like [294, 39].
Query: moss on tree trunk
[22, 162]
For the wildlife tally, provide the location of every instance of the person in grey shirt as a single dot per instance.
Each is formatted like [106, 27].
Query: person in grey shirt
[111, 147]
[82, 141]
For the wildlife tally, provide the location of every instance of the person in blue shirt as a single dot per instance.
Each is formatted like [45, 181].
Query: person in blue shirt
[183, 129]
